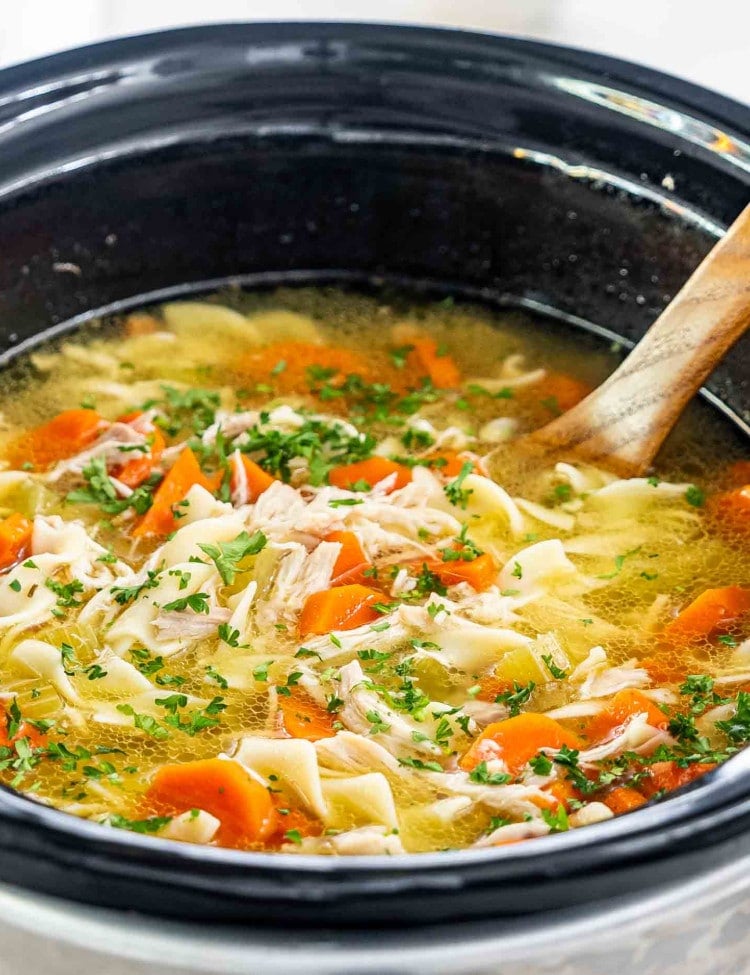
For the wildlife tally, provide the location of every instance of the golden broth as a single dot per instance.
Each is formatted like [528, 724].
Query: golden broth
[621, 566]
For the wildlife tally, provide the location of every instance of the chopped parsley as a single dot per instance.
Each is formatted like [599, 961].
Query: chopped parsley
[695, 496]
[127, 594]
[557, 672]
[228, 555]
[557, 820]
[419, 764]
[197, 602]
[620, 562]
[100, 490]
[454, 492]
[541, 764]
[215, 676]
[154, 824]
[66, 593]
[515, 698]
[482, 776]
[377, 724]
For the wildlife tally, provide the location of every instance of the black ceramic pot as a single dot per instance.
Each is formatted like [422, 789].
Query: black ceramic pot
[515, 172]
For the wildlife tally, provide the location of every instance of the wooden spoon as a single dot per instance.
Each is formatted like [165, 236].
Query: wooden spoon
[622, 424]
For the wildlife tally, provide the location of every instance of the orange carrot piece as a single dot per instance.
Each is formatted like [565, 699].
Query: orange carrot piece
[257, 479]
[290, 365]
[562, 390]
[424, 360]
[341, 608]
[516, 740]
[160, 519]
[305, 718]
[709, 612]
[738, 475]
[137, 470]
[292, 820]
[490, 687]
[562, 793]
[370, 471]
[224, 789]
[351, 563]
[731, 510]
[450, 463]
[35, 737]
[139, 323]
[623, 706]
[665, 668]
[15, 539]
[623, 799]
[64, 435]
[668, 776]
[480, 572]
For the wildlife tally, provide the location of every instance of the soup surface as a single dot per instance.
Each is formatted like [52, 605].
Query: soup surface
[258, 592]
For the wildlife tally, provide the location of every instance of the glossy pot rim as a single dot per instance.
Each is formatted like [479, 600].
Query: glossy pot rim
[711, 811]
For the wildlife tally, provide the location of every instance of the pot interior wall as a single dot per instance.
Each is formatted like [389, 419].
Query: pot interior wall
[501, 168]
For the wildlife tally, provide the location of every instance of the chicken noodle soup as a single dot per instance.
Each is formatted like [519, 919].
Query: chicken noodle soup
[257, 590]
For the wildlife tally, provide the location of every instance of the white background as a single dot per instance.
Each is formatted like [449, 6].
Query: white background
[707, 41]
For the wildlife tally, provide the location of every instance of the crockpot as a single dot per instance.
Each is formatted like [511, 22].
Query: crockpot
[449, 163]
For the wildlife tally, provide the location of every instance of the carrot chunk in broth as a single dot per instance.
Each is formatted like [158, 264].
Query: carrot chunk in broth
[224, 789]
[427, 359]
[341, 608]
[15, 539]
[305, 718]
[161, 518]
[708, 613]
[63, 436]
[518, 739]
[368, 473]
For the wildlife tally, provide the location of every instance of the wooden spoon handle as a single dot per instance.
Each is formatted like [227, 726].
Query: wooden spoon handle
[624, 422]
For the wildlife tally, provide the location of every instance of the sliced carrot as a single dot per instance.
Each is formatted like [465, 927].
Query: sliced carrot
[256, 478]
[450, 463]
[668, 776]
[665, 668]
[480, 572]
[15, 539]
[138, 469]
[351, 563]
[738, 474]
[305, 718]
[293, 820]
[518, 739]
[140, 323]
[369, 472]
[130, 417]
[342, 608]
[561, 390]
[64, 435]
[731, 510]
[160, 518]
[25, 730]
[490, 687]
[626, 704]
[224, 789]
[292, 367]
[424, 360]
[709, 612]
[623, 799]
[562, 793]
